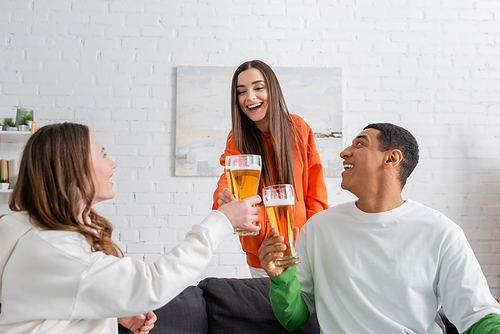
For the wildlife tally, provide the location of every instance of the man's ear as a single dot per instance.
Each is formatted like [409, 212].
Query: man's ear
[393, 158]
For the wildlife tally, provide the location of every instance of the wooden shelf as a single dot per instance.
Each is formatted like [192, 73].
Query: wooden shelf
[11, 145]
[14, 136]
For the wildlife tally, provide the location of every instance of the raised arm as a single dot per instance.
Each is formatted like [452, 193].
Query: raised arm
[286, 301]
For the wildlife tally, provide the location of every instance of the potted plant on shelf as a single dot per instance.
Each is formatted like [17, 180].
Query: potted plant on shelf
[25, 123]
[8, 125]
[21, 112]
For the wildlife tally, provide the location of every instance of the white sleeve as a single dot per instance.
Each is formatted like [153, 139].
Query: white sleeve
[117, 287]
[462, 287]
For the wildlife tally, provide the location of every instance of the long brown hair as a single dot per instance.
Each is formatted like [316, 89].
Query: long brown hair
[248, 138]
[55, 182]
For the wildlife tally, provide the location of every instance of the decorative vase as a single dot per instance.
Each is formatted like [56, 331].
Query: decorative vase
[23, 127]
[21, 113]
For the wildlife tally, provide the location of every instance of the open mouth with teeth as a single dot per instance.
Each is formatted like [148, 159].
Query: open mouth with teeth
[348, 166]
[254, 106]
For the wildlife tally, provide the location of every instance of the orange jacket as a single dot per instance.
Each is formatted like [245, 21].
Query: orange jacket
[309, 186]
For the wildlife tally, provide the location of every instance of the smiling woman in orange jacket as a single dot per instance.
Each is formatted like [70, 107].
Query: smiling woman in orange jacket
[261, 124]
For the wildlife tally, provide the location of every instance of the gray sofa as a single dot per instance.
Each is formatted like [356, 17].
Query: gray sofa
[223, 305]
[230, 306]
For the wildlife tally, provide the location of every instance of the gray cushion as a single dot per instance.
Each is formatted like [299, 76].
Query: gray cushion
[185, 314]
[449, 328]
[242, 306]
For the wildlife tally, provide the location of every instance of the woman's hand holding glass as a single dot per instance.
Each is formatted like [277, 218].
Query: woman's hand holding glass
[225, 197]
[242, 214]
[243, 177]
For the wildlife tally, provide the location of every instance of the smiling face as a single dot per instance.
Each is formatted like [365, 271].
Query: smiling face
[253, 97]
[103, 171]
[363, 163]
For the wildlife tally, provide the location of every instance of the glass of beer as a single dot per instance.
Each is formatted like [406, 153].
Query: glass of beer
[227, 170]
[245, 176]
[279, 201]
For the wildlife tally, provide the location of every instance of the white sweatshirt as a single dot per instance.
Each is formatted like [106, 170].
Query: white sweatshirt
[390, 272]
[53, 283]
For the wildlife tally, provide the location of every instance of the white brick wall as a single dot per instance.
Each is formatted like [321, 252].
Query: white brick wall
[431, 66]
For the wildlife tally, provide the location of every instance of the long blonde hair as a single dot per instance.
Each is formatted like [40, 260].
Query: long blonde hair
[55, 182]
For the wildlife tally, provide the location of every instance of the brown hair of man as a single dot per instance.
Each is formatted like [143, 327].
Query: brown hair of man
[55, 185]
[248, 138]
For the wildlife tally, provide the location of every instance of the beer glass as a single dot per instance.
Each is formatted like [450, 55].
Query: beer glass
[227, 170]
[279, 201]
[244, 181]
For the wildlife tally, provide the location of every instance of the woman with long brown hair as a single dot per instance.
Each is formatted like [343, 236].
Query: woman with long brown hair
[60, 271]
[262, 125]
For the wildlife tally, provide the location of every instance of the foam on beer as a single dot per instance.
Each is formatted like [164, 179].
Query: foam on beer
[252, 167]
[280, 201]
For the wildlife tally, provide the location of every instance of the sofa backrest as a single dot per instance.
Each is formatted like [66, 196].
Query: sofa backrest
[232, 305]
[242, 306]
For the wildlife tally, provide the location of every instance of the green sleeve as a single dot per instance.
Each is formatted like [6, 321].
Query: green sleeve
[489, 324]
[287, 303]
